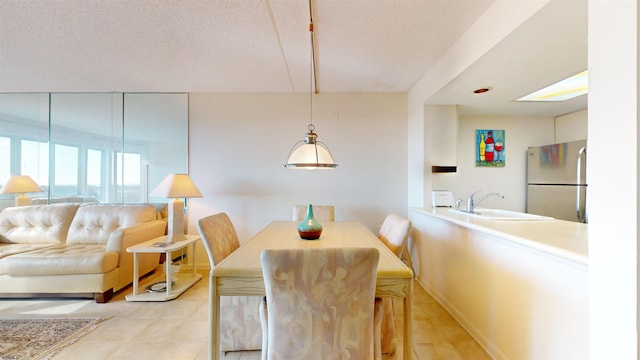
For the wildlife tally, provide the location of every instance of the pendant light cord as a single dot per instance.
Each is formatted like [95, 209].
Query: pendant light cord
[309, 153]
[312, 69]
[314, 85]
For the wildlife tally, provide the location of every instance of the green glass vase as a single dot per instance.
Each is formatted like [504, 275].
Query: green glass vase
[309, 228]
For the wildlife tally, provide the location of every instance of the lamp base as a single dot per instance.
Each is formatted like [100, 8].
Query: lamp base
[22, 200]
[176, 221]
[172, 238]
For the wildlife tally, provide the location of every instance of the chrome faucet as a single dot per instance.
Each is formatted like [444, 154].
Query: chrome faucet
[471, 203]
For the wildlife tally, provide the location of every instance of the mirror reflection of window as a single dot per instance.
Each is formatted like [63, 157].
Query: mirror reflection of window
[66, 171]
[128, 177]
[82, 135]
[83, 121]
[5, 158]
[95, 181]
[34, 161]
[23, 116]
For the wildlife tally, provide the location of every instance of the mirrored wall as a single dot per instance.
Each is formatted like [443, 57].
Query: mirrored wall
[93, 147]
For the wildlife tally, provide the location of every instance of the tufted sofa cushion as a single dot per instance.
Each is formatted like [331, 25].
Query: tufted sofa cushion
[93, 224]
[60, 260]
[36, 224]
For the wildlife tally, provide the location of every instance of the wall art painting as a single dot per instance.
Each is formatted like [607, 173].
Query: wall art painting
[490, 148]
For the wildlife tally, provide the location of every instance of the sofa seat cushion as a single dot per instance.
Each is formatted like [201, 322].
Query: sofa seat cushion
[60, 260]
[36, 224]
[12, 249]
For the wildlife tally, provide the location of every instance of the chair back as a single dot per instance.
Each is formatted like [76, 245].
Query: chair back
[240, 327]
[219, 237]
[320, 212]
[394, 233]
[319, 303]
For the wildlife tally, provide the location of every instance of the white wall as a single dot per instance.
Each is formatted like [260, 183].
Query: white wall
[510, 180]
[239, 143]
[491, 28]
[612, 170]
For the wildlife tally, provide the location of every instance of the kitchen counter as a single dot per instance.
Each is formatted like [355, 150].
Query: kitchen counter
[564, 239]
[520, 287]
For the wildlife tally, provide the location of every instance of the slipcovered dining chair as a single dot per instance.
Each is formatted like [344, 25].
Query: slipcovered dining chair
[394, 233]
[320, 304]
[320, 212]
[240, 327]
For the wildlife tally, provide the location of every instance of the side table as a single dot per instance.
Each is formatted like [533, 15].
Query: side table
[159, 245]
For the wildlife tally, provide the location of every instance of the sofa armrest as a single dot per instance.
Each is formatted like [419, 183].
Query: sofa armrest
[122, 238]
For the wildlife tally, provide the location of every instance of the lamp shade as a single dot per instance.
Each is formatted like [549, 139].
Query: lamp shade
[310, 154]
[177, 186]
[20, 184]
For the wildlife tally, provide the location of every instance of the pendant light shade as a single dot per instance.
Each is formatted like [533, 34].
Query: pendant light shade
[310, 154]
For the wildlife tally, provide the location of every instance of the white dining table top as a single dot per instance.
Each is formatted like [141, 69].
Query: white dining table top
[245, 261]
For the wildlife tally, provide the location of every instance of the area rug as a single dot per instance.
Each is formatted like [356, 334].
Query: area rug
[41, 338]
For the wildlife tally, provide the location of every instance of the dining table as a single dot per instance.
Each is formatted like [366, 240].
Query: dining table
[240, 273]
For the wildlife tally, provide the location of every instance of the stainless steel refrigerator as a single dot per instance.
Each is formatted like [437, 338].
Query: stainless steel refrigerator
[556, 180]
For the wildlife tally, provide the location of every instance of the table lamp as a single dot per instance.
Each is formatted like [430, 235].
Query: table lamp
[20, 184]
[176, 186]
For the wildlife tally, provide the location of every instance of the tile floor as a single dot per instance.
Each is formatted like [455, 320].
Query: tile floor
[178, 329]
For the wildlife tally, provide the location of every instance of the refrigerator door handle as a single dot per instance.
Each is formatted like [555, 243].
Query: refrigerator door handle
[579, 203]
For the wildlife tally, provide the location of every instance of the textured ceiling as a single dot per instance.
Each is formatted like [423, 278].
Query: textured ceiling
[244, 46]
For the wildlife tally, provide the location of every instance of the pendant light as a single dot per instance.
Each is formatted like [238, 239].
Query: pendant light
[310, 153]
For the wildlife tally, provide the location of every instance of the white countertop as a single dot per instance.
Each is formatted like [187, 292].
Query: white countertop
[565, 239]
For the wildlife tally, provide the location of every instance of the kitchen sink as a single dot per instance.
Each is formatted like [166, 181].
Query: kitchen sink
[499, 214]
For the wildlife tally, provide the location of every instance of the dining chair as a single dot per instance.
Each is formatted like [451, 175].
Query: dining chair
[240, 327]
[394, 233]
[320, 212]
[320, 304]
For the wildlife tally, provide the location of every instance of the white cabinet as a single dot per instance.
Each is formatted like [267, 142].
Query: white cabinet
[571, 127]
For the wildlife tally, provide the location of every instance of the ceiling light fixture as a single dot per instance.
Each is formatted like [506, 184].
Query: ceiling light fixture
[482, 90]
[310, 153]
[562, 90]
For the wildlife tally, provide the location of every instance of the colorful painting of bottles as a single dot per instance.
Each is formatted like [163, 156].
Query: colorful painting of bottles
[490, 148]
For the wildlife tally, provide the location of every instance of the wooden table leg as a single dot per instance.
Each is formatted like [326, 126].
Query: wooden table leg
[408, 322]
[214, 320]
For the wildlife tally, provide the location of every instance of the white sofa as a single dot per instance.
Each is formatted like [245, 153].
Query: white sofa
[74, 249]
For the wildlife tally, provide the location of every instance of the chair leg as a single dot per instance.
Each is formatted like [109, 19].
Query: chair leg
[265, 327]
[378, 314]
